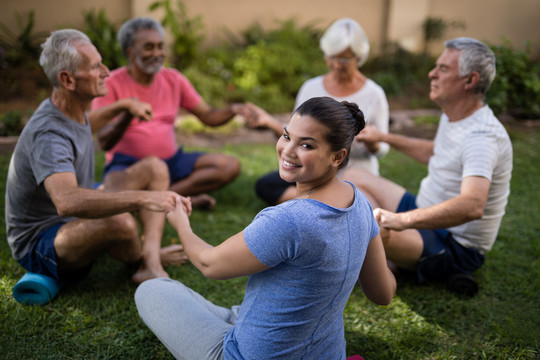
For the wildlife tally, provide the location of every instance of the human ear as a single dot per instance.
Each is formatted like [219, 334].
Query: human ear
[472, 80]
[339, 156]
[66, 80]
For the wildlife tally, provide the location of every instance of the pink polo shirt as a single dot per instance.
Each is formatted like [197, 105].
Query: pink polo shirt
[169, 92]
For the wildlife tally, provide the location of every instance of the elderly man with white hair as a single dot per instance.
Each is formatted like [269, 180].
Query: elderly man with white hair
[445, 231]
[57, 224]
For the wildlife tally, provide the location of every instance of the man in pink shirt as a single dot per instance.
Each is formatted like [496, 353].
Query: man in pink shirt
[144, 99]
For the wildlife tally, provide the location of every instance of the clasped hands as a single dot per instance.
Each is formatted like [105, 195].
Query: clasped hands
[370, 136]
[387, 221]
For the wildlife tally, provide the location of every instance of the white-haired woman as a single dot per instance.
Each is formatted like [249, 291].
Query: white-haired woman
[346, 48]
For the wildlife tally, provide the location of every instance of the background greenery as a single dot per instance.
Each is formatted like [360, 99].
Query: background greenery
[97, 319]
[267, 67]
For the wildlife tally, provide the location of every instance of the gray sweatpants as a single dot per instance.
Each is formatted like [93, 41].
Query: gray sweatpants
[190, 326]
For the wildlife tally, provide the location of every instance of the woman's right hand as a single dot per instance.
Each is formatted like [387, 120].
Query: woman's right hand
[179, 217]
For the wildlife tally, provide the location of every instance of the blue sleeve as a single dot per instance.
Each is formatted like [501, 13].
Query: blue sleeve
[374, 226]
[271, 237]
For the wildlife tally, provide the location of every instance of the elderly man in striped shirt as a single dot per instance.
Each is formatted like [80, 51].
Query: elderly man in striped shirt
[444, 232]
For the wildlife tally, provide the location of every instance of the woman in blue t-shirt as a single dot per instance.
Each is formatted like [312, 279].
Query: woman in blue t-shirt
[303, 258]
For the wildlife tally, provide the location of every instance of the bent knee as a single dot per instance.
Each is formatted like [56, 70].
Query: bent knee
[231, 168]
[122, 226]
[155, 166]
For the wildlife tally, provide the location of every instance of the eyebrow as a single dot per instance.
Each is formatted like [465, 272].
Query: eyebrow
[302, 138]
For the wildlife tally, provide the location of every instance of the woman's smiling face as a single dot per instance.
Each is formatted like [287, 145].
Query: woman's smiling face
[304, 154]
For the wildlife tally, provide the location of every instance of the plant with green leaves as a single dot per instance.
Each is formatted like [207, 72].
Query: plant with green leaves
[103, 32]
[266, 67]
[12, 123]
[399, 71]
[19, 48]
[435, 28]
[187, 32]
[516, 88]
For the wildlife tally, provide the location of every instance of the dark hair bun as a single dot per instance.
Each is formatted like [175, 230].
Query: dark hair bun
[357, 115]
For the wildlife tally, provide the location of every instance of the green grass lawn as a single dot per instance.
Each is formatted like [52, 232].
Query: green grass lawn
[97, 319]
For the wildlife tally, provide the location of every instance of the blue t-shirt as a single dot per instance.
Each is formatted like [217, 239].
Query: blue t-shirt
[294, 310]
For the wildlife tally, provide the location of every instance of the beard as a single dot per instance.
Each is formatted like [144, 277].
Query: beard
[150, 66]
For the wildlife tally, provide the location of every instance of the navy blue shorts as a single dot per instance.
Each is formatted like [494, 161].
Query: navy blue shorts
[41, 259]
[180, 164]
[442, 255]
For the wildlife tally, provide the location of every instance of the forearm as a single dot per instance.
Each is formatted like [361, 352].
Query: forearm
[195, 248]
[93, 204]
[102, 116]
[418, 149]
[453, 212]
[276, 126]
[217, 117]
[109, 135]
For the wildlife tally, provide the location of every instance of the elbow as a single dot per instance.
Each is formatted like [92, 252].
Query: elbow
[476, 210]
[209, 268]
[104, 144]
[424, 159]
[476, 213]
[382, 299]
[66, 206]
[211, 273]
[63, 208]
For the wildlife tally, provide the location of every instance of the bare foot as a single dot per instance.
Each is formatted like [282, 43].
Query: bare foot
[203, 202]
[144, 273]
[172, 255]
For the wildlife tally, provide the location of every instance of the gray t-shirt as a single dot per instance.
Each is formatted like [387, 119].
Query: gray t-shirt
[50, 143]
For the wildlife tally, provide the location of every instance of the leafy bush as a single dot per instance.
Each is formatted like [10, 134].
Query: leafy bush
[17, 49]
[186, 31]
[103, 35]
[396, 70]
[12, 123]
[264, 67]
[435, 28]
[516, 88]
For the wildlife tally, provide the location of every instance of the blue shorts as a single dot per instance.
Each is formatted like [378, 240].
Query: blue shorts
[41, 259]
[442, 255]
[180, 164]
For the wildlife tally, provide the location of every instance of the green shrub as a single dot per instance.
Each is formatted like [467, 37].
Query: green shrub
[12, 123]
[435, 28]
[264, 67]
[396, 70]
[103, 35]
[187, 32]
[516, 88]
[20, 73]
[17, 49]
